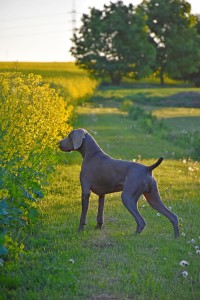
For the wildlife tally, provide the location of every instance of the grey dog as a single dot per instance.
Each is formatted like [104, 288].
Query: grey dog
[102, 175]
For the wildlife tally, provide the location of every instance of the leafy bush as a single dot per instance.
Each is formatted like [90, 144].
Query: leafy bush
[145, 120]
[126, 105]
[33, 119]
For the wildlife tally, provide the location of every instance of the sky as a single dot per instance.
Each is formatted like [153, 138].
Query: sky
[40, 30]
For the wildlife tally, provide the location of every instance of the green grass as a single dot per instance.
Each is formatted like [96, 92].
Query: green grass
[180, 119]
[114, 263]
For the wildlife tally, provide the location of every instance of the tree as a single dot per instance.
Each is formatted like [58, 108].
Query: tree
[174, 36]
[114, 42]
[195, 76]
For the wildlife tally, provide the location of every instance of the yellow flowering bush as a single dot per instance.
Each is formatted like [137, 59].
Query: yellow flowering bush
[33, 119]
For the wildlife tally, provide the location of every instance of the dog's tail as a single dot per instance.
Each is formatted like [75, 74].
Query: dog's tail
[150, 168]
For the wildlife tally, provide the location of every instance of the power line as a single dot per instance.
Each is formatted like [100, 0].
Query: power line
[73, 14]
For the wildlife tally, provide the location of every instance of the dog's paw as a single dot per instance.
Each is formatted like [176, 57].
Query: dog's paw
[81, 228]
[99, 226]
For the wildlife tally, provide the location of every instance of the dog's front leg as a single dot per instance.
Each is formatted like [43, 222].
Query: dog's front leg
[100, 217]
[85, 204]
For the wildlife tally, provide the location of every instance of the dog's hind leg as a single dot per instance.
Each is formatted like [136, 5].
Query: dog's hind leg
[131, 205]
[156, 203]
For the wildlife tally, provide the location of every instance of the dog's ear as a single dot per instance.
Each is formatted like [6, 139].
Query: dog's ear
[78, 137]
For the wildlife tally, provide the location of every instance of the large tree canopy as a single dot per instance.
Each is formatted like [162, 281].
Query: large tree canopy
[174, 36]
[114, 42]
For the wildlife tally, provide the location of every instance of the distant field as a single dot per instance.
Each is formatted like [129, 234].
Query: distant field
[71, 82]
[177, 106]
[66, 69]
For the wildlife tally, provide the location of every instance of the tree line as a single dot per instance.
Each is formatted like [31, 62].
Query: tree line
[159, 37]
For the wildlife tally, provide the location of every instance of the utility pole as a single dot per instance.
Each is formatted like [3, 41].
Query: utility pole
[73, 12]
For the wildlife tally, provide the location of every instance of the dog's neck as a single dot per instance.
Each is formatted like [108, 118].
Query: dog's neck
[89, 147]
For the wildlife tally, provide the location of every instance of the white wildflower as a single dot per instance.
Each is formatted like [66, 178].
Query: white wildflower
[184, 263]
[158, 214]
[198, 251]
[196, 247]
[170, 208]
[183, 233]
[193, 241]
[184, 274]
[184, 161]
[71, 261]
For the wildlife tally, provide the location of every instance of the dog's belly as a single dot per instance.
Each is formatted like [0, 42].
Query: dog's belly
[104, 186]
[106, 189]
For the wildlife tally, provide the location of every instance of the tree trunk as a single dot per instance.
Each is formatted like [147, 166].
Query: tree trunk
[116, 78]
[162, 77]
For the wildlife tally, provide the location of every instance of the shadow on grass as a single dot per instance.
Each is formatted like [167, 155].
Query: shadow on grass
[177, 99]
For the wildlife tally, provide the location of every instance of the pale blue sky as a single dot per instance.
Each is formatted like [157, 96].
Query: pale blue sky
[40, 30]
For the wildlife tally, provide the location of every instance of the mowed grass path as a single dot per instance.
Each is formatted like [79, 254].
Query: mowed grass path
[113, 263]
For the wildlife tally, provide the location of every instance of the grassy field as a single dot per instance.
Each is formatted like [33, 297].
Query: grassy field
[45, 69]
[69, 81]
[59, 263]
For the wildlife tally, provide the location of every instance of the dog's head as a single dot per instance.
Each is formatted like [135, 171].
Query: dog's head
[73, 141]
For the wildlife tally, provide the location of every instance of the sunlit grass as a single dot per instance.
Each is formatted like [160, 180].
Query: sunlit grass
[113, 261]
[47, 69]
[176, 112]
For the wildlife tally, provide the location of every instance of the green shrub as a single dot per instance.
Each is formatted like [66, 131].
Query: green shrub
[126, 105]
[145, 120]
